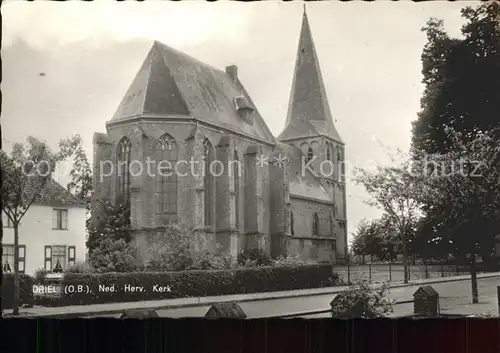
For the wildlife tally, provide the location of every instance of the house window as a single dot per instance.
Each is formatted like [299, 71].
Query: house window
[8, 258]
[209, 185]
[59, 257]
[71, 255]
[292, 224]
[166, 180]
[328, 154]
[310, 154]
[123, 175]
[315, 230]
[59, 219]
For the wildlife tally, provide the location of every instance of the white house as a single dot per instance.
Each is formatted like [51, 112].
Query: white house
[52, 231]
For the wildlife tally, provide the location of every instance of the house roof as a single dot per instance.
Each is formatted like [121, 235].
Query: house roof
[308, 109]
[172, 84]
[52, 194]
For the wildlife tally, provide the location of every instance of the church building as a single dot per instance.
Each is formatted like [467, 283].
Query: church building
[188, 145]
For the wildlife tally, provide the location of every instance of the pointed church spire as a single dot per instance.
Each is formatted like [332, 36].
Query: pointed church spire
[308, 109]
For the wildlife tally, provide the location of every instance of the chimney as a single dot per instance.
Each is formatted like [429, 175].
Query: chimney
[232, 71]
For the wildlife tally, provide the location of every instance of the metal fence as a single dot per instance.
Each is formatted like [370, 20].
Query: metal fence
[394, 272]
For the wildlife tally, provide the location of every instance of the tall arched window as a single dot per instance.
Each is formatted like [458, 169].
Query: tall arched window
[309, 154]
[292, 224]
[236, 174]
[123, 170]
[340, 163]
[315, 224]
[166, 180]
[209, 184]
[328, 151]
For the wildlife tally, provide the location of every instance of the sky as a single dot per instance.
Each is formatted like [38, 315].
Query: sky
[369, 55]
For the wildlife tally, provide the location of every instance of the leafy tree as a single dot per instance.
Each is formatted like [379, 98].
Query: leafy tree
[358, 246]
[458, 122]
[460, 194]
[392, 189]
[460, 78]
[25, 173]
[81, 173]
[378, 238]
[367, 239]
[109, 221]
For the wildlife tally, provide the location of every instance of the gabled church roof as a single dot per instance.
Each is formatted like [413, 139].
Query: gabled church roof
[172, 84]
[308, 109]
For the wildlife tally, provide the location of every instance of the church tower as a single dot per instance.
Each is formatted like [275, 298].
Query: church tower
[310, 127]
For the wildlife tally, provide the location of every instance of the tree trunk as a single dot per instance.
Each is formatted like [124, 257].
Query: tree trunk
[15, 307]
[405, 260]
[473, 277]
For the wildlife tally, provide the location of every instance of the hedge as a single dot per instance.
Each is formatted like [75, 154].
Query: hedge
[184, 284]
[25, 290]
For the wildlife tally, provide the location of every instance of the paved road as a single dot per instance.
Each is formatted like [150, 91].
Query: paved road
[455, 297]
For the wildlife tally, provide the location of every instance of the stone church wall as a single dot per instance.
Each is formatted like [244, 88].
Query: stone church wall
[252, 231]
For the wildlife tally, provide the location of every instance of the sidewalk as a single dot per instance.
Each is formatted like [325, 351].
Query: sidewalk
[113, 308]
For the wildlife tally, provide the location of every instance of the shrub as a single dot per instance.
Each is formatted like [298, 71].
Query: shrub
[221, 261]
[194, 283]
[362, 301]
[291, 260]
[253, 258]
[80, 267]
[25, 290]
[182, 251]
[40, 275]
[115, 256]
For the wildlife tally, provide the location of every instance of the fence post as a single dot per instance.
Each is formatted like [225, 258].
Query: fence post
[370, 270]
[409, 271]
[390, 271]
[426, 271]
[457, 270]
[498, 299]
[442, 270]
[349, 272]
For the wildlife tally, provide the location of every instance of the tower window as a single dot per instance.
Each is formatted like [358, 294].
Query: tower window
[315, 230]
[236, 173]
[209, 185]
[292, 225]
[309, 154]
